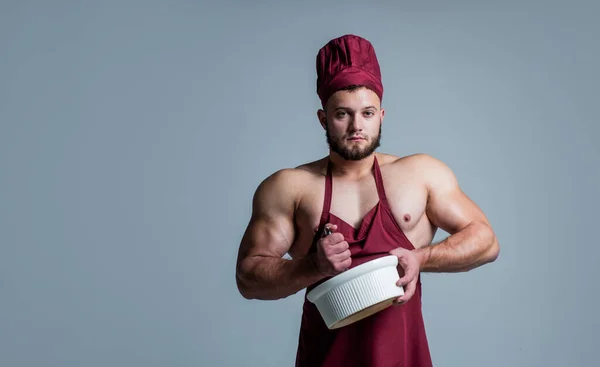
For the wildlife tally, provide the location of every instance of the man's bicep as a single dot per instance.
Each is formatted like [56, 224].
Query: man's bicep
[270, 231]
[448, 207]
[267, 235]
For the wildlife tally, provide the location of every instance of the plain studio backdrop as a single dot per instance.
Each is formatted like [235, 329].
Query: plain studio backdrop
[133, 136]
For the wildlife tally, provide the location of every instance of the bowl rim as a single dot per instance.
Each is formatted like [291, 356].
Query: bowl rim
[378, 263]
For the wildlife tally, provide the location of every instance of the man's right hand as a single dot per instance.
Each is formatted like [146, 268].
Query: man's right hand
[333, 253]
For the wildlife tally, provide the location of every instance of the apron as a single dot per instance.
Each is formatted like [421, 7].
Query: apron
[393, 337]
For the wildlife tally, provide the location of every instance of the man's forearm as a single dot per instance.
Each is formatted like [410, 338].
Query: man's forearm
[473, 246]
[271, 278]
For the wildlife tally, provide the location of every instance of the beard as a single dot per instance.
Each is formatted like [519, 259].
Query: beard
[352, 153]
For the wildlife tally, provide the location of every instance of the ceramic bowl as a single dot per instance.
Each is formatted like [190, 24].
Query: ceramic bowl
[357, 293]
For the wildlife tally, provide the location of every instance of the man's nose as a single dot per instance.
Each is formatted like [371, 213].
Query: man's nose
[356, 122]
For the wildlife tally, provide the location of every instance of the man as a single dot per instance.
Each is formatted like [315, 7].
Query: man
[375, 204]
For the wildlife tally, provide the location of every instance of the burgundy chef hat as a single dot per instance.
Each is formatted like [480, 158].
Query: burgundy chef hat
[345, 61]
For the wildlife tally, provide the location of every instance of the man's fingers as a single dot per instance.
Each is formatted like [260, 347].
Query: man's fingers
[408, 268]
[409, 274]
[334, 245]
[331, 227]
[344, 265]
[338, 248]
[409, 278]
[409, 291]
[333, 238]
[344, 255]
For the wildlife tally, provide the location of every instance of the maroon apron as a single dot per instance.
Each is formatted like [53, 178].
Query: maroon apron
[392, 337]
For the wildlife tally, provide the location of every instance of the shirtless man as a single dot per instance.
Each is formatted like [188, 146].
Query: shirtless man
[368, 192]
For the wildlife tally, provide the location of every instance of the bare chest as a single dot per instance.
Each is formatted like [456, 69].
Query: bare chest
[351, 201]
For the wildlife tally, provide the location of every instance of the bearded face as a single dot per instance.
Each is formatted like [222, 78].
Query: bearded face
[353, 146]
[353, 123]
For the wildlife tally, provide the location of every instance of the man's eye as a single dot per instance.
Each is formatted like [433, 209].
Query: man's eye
[340, 114]
[369, 113]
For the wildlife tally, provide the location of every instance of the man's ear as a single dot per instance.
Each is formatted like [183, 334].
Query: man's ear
[322, 116]
[382, 114]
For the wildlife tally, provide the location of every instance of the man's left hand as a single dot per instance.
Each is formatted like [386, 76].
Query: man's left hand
[409, 268]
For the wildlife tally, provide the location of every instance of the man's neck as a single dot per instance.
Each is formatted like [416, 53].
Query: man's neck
[351, 169]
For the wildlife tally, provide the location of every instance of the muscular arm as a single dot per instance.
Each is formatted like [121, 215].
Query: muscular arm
[472, 242]
[261, 273]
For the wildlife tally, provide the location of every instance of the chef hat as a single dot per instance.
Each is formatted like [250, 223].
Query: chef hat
[344, 61]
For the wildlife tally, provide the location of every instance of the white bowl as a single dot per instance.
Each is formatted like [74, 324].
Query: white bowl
[357, 293]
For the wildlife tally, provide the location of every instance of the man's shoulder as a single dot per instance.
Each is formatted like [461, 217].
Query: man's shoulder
[293, 178]
[303, 171]
[419, 161]
[431, 170]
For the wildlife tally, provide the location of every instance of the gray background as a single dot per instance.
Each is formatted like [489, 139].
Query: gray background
[133, 135]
